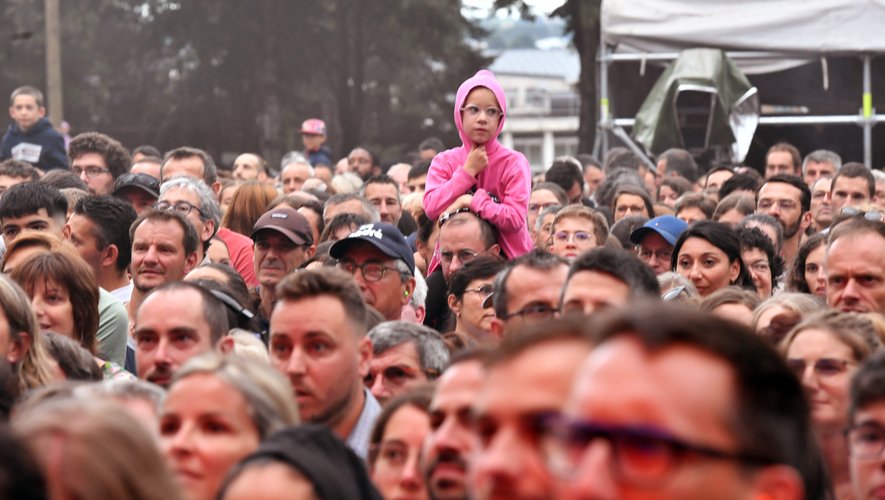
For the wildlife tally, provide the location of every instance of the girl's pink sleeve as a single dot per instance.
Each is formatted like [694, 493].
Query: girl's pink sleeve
[443, 186]
[510, 215]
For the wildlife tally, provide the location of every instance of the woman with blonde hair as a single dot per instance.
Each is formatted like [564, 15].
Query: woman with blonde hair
[248, 203]
[107, 454]
[217, 411]
[824, 351]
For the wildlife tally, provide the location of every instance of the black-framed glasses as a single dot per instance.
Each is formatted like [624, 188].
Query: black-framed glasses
[823, 367]
[534, 312]
[866, 214]
[464, 255]
[865, 441]
[662, 254]
[448, 215]
[180, 206]
[643, 456]
[372, 271]
[92, 171]
[483, 291]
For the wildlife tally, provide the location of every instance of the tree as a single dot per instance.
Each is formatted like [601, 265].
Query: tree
[582, 21]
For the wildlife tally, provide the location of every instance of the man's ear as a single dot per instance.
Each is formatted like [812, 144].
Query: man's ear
[226, 345]
[497, 328]
[805, 221]
[408, 290]
[190, 262]
[109, 255]
[41, 111]
[420, 314]
[208, 230]
[364, 353]
[311, 250]
[778, 482]
[494, 250]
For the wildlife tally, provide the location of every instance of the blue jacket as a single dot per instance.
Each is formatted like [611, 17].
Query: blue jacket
[40, 145]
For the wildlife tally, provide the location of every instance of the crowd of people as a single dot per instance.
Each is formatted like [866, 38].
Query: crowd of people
[447, 327]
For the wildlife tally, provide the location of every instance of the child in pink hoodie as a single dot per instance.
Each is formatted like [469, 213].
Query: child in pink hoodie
[471, 175]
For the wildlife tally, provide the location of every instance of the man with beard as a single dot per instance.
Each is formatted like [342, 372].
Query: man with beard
[787, 198]
[451, 441]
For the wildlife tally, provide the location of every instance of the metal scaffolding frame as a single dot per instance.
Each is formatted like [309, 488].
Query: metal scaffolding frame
[865, 118]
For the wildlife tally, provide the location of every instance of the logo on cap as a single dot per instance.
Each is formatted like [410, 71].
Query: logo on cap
[367, 230]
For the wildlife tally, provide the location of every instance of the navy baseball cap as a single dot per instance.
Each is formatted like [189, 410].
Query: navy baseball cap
[385, 237]
[667, 226]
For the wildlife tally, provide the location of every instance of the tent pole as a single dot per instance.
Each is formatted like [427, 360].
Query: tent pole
[604, 114]
[867, 112]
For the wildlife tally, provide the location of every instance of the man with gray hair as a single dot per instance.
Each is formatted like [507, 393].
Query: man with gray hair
[404, 355]
[295, 172]
[349, 203]
[820, 163]
[193, 199]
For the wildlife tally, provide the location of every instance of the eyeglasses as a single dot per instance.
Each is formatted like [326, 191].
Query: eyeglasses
[463, 255]
[823, 367]
[491, 113]
[91, 171]
[484, 290]
[766, 204]
[663, 254]
[642, 456]
[181, 206]
[865, 441]
[564, 236]
[868, 215]
[534, 312]
[372, 271]
[448, 215]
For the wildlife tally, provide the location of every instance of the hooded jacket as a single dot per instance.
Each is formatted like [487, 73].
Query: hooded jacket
[507, 177]
[41, 146]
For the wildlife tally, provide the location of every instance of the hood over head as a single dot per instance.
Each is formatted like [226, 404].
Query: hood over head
[482, 78]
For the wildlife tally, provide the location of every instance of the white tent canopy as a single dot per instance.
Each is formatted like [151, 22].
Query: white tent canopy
[759, 35]
[807, 27]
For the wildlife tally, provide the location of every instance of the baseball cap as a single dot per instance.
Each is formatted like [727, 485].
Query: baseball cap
[313, 126]
[383, 236]
[144, 182]
[288, 222]
[667, 226]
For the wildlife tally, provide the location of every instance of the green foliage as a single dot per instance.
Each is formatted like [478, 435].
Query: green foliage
[233, 76]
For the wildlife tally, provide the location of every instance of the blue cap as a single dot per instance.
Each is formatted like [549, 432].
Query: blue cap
[667, 226]
[383, 236]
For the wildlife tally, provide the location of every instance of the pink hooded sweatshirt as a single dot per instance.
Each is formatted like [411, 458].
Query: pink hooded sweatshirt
[507, 176]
